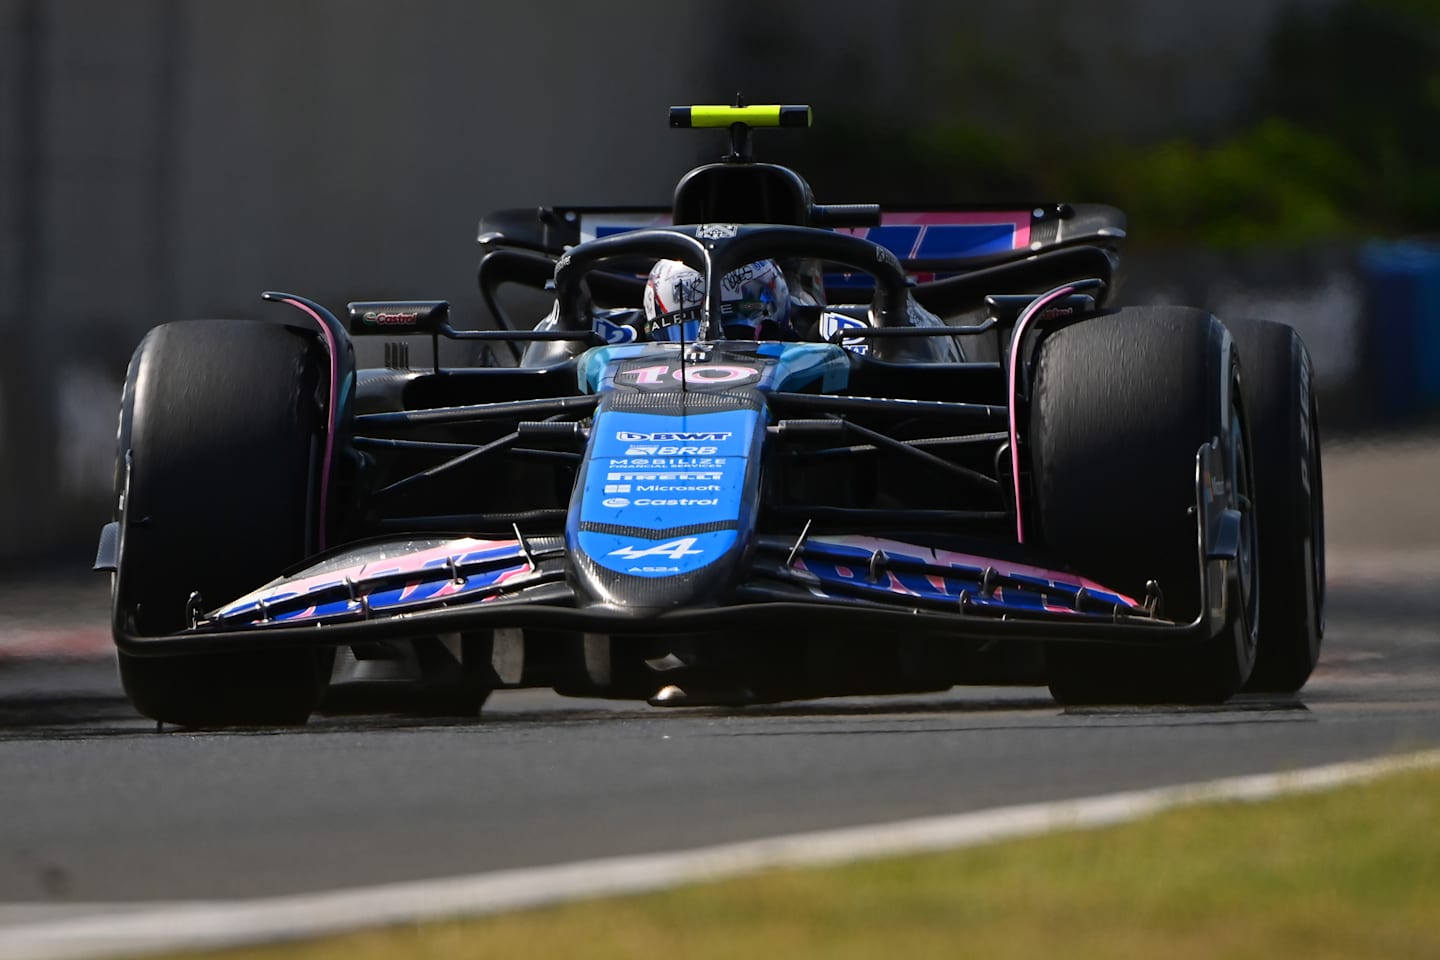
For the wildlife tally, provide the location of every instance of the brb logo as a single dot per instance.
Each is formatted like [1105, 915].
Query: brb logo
[656, 450]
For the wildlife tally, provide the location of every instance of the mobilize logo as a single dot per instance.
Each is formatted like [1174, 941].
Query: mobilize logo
[666, 463]
[630, 436]
[675, 550]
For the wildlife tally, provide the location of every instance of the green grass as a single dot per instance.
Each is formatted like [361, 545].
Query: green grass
[1353, 873]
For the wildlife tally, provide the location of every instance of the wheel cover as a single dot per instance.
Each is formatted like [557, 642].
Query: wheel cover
[1317, 531]
[1247, 570]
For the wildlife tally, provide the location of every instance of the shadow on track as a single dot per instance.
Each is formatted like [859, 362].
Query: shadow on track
[74, 700]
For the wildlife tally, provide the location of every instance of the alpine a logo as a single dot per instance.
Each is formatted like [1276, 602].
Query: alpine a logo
[675, 550]
[630, 436]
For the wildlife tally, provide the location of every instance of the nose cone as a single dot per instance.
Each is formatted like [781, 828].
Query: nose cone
[665, 504]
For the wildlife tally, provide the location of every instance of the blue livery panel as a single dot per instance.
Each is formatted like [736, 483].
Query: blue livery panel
[664, 495]
[726, 365]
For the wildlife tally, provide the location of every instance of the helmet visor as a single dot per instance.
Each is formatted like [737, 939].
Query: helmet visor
[747, 316]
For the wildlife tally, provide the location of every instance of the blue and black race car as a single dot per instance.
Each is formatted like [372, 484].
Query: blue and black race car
[955, 463]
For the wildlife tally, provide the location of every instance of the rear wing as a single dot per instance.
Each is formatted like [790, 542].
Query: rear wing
[925, 239]
[957, 256]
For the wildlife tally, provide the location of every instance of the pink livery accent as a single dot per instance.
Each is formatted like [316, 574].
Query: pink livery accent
[463, 550]
[333, 349]
[506, 577]
[951, 558]
[1018, 220]
[1017, 223]
[1037, 306]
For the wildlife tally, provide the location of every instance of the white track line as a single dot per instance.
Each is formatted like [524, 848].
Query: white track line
[114, 930]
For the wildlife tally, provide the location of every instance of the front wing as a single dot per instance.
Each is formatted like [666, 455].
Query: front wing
[833, 585]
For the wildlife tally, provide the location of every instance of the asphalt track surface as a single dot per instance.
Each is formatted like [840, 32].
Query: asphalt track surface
[95, 806]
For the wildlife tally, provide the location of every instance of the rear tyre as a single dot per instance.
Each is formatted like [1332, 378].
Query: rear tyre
[1290, 512]
[1120, 405]
[220, 421]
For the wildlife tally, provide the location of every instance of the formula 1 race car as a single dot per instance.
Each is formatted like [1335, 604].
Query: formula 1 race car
[956, 463]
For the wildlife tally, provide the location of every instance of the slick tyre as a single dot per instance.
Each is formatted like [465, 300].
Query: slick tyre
[219, 424]
[1120, 405]
[1289, 502]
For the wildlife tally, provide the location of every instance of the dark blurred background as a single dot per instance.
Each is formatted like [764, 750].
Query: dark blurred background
[162, 160]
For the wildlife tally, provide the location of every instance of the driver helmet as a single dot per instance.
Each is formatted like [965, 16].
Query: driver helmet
[754, 301]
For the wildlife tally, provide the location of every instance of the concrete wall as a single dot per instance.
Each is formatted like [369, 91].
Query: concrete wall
[163, 159]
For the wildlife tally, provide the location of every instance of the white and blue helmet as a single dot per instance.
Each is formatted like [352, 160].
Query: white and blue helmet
[754, 301]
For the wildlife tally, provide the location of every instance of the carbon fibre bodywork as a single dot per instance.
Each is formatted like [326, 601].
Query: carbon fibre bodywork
[678, 520]
[608, 514]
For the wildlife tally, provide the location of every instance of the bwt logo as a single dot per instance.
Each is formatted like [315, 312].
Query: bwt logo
[632, 437]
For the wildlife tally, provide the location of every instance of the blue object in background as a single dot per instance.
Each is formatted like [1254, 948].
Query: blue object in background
[1402, 295]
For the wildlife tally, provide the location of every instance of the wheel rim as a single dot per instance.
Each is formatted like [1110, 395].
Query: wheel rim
[1242, 498]
[1317, 531]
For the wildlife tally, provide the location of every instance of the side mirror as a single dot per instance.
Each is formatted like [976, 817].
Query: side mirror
[390, 317]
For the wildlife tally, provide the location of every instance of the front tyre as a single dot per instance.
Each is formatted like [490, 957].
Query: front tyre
[220, 424]
[1120, 405]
